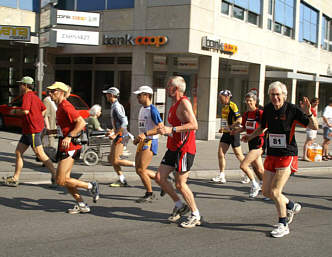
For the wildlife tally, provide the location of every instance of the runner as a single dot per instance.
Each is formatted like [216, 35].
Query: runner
[118, 134]
[279, 118]
[148, 121]
[230, 119]
[71, 124]
[32, 111]
[180, 154]
[250, 121]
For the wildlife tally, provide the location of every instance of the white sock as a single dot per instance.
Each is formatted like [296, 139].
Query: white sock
[81, 204]
[133, 164]
[122, 178]
[222, 174]
[178, 204]
[89, 186]
[254, 183]
[196, 213]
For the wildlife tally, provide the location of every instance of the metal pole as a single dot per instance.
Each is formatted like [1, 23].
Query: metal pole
[40, 69]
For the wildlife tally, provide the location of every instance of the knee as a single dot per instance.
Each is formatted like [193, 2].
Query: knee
[61, 181]
[266, 192]
[139, 171]
[243, 166]
[275, 194]
[179, 186]
[158, 179]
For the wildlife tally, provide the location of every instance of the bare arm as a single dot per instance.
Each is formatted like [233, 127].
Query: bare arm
[313, 124]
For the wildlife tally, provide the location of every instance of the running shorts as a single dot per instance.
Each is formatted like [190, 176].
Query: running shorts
[181, 161]
[273, 163]
[256, 143]
[151, 144]
[32, 140]
[229, 139]
[75, 154]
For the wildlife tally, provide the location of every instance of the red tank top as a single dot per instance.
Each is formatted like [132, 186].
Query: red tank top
[175, 140]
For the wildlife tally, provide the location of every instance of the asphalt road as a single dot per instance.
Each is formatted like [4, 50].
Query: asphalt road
[34, 222]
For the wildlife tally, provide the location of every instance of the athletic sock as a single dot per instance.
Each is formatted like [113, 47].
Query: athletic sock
[290, 205]
[122, 178]
[90, 185]
[81, 204]
[178, 204]
[196, 213]
[222, 174]
[254, 183]
[283, 221]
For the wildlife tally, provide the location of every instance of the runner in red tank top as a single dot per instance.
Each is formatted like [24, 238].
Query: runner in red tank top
[180, 154]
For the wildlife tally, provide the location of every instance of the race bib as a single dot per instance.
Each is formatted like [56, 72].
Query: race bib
[251, 124]
[141, 124]
[277, 140]
[224, 124]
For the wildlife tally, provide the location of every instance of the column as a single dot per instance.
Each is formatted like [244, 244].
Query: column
[141, 75]
[297, 20]
[207, 93]
[293, 91]
[257, 80]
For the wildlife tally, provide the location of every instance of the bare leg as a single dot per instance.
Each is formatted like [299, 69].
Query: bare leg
[39, 151]
[250, 158]
[20, 149]
[222, 150]
[181, 185]
[114, 158]
[162, 180]
[142, 161]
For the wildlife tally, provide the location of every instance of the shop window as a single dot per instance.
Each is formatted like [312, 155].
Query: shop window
[62, 60]
[83, 60]
[104, 60]
[116, 4]
[124, 60]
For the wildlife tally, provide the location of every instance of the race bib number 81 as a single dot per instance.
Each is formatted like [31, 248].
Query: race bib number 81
[277, 140]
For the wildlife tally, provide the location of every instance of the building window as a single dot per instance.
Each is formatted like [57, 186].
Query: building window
[326, 33]
[116, 4]
[308, 24]
[225, 8]
[94, 5]
[8, 3]
[281, 16]
[88, 5]
[30, 5]
[246, 10]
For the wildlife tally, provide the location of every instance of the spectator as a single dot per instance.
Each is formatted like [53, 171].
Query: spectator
[93, 122]
[327, 125]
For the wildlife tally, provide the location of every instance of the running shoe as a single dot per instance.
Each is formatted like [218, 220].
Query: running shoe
[79, 209]
[94, 191]
[10, 181]
[280, 230]
[219, 179]
[178, 212]
[254, 191]
[53, 183]
[119, 184]
[244, 179]
[162, 192]
[147, 198]
[290, 213]
[191, 222]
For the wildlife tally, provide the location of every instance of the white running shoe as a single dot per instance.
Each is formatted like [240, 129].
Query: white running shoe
[79, 209]
[244, 179]
[219, 179]
[280, 230]
[290, 213]
[254, 191]
[191, 222]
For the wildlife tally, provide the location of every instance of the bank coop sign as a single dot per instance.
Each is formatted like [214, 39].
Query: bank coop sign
[16, 33]
[129, 40]
[216, 44]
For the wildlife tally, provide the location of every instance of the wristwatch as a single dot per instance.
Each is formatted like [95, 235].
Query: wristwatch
[69, 135]
[145, 134]
[174, 130]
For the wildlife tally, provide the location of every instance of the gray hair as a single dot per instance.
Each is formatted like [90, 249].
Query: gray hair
[278, 84]
[179, 82]
[251, 95]
[94, 109]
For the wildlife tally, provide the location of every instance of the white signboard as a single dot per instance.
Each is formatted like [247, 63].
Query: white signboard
[67, 36]
[160, 95]
[16, 33]
[45, 18]
[78, 18]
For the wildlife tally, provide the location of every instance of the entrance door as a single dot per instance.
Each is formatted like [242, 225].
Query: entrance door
[125, 90]
[82, 85]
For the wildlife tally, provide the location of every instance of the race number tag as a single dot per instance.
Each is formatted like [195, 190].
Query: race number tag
[141, 124]
[277, 140]
[251, 124]
[224, 124]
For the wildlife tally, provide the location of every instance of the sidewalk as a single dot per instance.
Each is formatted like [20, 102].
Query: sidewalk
[205, 165]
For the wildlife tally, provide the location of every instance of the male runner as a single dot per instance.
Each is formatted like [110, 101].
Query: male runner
[181, 151]
[148, 121]
[71, 124]
[279, 118]
[32, 111]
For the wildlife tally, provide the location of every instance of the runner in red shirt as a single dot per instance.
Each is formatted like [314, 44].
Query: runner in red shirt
[32, 111]
[71, 124]
[250, 121]
[279, 118]
[181, 151]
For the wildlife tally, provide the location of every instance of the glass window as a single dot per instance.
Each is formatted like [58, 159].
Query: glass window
[330, 49]
[252, 18]
[270, 7]
[284, 12]
[104, 60]
[116, 4]
[30, 5]
[287, 31]
[255, 6]
[277, 27]
[238, 12]
[308, 24]
[8, 3]
[269, 24]
[330, 32]
[83, 60]
[241, 3]
[225, 8]
[62, 60]
[66, 5]
[88, 5]
[289, 16]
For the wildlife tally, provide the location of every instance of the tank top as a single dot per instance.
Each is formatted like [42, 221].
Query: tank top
[175, 140]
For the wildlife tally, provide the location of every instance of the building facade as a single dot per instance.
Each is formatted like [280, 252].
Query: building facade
[214, 44]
